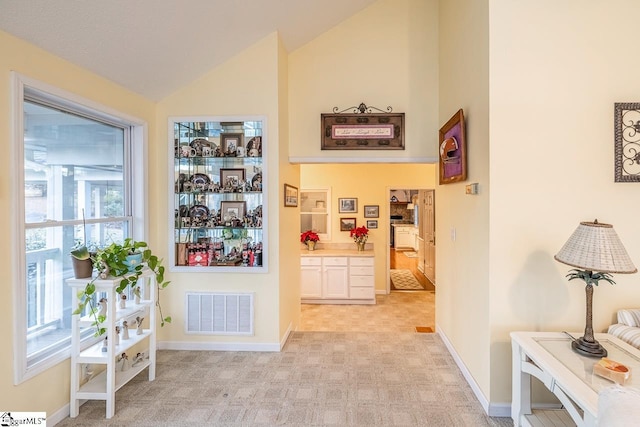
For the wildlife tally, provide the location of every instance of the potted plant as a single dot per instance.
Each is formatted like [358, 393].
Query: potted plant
[81, 257]
[127, 261]
[360, 236]
[309, 238]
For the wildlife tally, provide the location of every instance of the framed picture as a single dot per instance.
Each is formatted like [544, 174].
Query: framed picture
[290, 196]
[347, 224]
[453, 150]
[371, 211]
[372, 223]
[233, 209]
[230, 142]
[627, 155]
[362, 131]
[232, 177]
[348, 205]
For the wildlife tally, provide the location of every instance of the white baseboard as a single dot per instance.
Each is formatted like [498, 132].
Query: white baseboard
[491, 409]
[286, 336]
[59, 415]
[219, 346]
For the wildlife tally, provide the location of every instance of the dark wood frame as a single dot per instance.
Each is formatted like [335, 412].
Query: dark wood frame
[344, 224]
[293, 203]
[224, 173]
[452, 170]
[225, 205]
[226, 137]
[372, 215]
[355, 205]
[372, 223]
[626, 154]
[360, 131]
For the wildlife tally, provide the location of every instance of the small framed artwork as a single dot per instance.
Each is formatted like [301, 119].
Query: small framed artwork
[453, 150]
[348, 205]
[232, 177]
[290, 196]
[371, 211]
[347, 224]
[626, 156]
[232, 209]
[372, 223]
[230, 142]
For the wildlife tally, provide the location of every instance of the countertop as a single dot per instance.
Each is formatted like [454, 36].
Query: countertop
[337, 252]
[401, 224]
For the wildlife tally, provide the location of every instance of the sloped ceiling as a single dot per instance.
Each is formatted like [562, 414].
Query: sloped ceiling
[153, 47]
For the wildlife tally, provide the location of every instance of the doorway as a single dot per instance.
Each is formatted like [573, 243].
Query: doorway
[411, 240]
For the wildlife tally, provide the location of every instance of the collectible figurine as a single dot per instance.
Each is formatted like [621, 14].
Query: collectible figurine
[139, 325]
[125, 330]
[123, 301]
[103, 307]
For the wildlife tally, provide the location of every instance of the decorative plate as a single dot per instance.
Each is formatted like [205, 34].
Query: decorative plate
[199, 178]
[199, 143]
[199, 211]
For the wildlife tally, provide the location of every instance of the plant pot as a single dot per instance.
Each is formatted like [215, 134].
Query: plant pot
[82, 268]
[133, 261]
[311, 245]
[360, 246]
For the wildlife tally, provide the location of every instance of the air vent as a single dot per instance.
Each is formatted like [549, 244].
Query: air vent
[219, 313]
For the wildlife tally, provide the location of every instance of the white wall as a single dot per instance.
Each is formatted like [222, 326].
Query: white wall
[385, 55]
[557, 68]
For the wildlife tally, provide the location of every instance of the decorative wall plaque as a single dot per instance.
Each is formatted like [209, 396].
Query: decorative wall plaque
[362, 130]
[627, 141]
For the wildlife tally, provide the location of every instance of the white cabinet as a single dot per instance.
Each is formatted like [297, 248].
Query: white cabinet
[116, 372]
[337, 280]
[361, 278]
[403, 237]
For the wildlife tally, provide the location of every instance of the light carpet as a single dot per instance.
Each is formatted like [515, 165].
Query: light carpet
[404, 279]
[410, 254]
[318, 379]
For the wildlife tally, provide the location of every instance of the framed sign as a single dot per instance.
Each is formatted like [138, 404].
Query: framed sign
[627, 142]
[379, 131]
[453, 150]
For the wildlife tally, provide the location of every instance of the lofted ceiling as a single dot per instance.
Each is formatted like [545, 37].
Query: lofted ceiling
[154, 47]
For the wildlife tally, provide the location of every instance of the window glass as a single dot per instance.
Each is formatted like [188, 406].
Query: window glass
[74, 192]
[315, 212]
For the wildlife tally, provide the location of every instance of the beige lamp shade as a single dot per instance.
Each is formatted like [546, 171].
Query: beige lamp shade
[596, 247]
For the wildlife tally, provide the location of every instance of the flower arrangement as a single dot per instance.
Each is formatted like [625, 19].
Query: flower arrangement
[360, 234]
[309, 236]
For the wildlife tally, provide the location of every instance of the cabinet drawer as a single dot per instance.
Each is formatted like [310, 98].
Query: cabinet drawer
[362, 293]
[334, 260]
[361, 271]
[361, 281]
[309, 260]
[361, 261]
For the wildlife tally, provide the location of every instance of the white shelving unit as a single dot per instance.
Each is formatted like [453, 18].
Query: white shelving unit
[105, 384]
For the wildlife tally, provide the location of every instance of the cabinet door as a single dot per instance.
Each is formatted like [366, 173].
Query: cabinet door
[403, 238]
[336, 283]
[310, 282]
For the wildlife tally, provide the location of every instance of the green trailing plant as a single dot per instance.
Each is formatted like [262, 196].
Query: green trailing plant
[112, 261]
[590, 277]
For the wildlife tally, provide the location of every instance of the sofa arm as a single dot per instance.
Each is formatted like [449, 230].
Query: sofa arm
[628, 334]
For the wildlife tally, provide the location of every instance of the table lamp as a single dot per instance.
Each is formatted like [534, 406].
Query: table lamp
[596, 252]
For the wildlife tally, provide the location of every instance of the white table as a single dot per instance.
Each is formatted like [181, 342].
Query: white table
[548, 356]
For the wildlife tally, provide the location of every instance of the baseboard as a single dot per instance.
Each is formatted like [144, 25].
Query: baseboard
[219, 346]
[491, 409]
[59, 415]
[286, 336]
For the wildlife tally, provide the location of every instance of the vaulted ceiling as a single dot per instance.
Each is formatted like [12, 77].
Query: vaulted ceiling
[154, 47]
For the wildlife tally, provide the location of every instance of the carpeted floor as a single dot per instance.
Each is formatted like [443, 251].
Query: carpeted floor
[404, 279]
[319, 379]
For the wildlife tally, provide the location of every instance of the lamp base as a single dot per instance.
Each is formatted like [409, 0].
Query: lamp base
[589, 349]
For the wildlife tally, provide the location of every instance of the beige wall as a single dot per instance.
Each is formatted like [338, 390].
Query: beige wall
[235, 88]
[48, 391]
[370, 184]
[385, 55]
[463, 303]
[557, 68]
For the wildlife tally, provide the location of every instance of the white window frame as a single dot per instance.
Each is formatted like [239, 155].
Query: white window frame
[326, 237]
[22, 84]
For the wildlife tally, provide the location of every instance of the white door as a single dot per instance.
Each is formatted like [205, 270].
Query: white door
[429, 225]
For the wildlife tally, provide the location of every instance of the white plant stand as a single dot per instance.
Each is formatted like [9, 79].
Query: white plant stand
[104, 385]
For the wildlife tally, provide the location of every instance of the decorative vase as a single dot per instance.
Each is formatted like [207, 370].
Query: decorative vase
[360, 246]
[311, 245]
[82, 268]
[132, 261]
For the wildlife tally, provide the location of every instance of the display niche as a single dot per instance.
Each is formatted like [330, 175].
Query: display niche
[218, 203]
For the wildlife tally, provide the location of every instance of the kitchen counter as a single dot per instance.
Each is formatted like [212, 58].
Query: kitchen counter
[337, 252]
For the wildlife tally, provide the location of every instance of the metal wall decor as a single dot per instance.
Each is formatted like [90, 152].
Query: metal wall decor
[364, 128]
[627, 142]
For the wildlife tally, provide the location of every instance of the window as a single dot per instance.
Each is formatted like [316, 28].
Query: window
[315, 212]
[74, 169]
